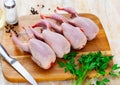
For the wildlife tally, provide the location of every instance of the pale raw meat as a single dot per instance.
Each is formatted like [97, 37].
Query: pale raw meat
[58, 17]
[89, 28]
[56, 41]
[73, 34]
[42, 54]
[76, 37]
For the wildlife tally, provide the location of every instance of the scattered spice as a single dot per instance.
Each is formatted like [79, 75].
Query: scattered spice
[15, 32]
[38, 5]
[10, 27]
[33, 11]
[48, 8]
[42, 6]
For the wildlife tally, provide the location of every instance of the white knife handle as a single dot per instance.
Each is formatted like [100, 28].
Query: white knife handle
[5, 55]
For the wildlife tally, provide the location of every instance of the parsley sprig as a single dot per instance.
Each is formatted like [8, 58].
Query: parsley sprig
[102, 82]
[86, 63]
[114, 68]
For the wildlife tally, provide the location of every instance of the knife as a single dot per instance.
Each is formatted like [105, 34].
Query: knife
[16, 65]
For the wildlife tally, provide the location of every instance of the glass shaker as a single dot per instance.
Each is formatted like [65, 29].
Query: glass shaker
[10, 12]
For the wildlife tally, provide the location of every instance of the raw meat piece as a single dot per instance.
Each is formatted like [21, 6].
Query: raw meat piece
[42, 54]
[58, 42]
[75, 36]
[89, 28]
[70, 10]
[59, 18]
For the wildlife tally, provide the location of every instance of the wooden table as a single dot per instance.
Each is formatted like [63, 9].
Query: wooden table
[107, 11]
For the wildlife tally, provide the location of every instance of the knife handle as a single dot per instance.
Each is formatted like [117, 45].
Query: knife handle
[5, 54]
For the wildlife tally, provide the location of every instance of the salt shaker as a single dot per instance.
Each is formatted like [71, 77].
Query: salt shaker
[10, 12]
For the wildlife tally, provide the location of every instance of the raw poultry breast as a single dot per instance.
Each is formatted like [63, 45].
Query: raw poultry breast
[42, 54]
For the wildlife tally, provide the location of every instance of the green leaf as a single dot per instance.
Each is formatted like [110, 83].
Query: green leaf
[104, 66]
[102, 72]
[79, 72]
[106, 80]
[89, 59]
[65, 56]
[70, 55]
[92, 66]
[106, 58]
[113, 74]
[115, 67]
[61, 64]
[81, 59]
[66, 70]
[99, 53]
[100, 83]
[72, 61]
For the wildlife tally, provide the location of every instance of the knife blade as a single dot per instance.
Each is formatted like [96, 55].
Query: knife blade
[17, 66]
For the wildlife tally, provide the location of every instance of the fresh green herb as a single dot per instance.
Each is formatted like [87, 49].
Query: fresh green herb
[86, 63]
[92, 61]
[102, 82]
[69, 65]
[70, 55]
[113, 73]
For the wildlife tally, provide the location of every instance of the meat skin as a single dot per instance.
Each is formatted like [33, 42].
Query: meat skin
[75, 36]
[42, 54]
[56, 41]
[89, 28]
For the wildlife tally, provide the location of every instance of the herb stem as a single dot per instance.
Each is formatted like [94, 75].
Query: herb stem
[73, 82]
[81, 79]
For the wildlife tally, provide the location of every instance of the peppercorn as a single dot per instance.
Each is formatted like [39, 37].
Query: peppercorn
[42, 6]
[48, 8]
[33, 11]
[10, 27]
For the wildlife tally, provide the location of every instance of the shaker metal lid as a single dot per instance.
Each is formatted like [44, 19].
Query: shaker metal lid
[9, 4]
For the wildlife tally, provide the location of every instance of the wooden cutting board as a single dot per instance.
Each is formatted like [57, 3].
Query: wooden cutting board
[100, 43]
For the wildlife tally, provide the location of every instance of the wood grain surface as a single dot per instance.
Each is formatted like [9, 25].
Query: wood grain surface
[100, 43]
